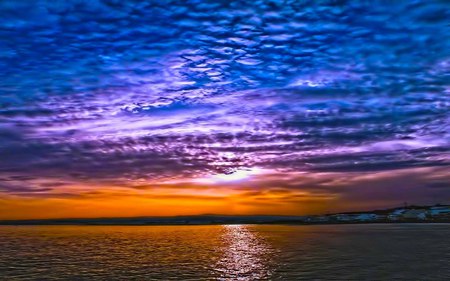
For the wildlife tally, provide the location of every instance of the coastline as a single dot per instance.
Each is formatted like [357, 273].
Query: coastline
[407, 214]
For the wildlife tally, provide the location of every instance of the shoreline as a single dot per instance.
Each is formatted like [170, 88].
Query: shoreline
[408, 214]
[231, 223]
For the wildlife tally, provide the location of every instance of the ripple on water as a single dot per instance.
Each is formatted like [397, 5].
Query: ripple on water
[232, 252]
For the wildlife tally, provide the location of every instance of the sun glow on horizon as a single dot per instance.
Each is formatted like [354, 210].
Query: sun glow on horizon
[235, 176]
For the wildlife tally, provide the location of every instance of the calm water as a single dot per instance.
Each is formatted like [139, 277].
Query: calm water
[234, 252]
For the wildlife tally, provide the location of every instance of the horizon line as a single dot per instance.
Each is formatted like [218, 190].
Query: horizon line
[223, 215]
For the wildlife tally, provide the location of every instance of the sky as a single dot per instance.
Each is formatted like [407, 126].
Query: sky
[134, 108]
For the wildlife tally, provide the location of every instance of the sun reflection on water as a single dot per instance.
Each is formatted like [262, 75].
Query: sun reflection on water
[246, 256]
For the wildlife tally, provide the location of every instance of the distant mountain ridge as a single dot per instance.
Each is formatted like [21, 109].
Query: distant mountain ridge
[424, 214]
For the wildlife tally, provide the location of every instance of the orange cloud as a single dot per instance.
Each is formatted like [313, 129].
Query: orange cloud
[270, 193]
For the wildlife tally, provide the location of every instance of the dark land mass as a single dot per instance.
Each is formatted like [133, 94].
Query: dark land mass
[416, 214]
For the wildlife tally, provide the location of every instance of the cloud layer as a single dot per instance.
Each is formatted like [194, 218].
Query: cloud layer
[132, 93]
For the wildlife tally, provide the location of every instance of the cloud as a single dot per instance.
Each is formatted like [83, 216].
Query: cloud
[137, 94]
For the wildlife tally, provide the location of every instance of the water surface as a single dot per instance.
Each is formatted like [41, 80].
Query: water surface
[228, 252]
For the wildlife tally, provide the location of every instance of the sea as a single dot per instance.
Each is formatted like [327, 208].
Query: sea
[226, 252]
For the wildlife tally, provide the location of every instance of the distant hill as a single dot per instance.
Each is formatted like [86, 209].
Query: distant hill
[175, 220]
[423, 214]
